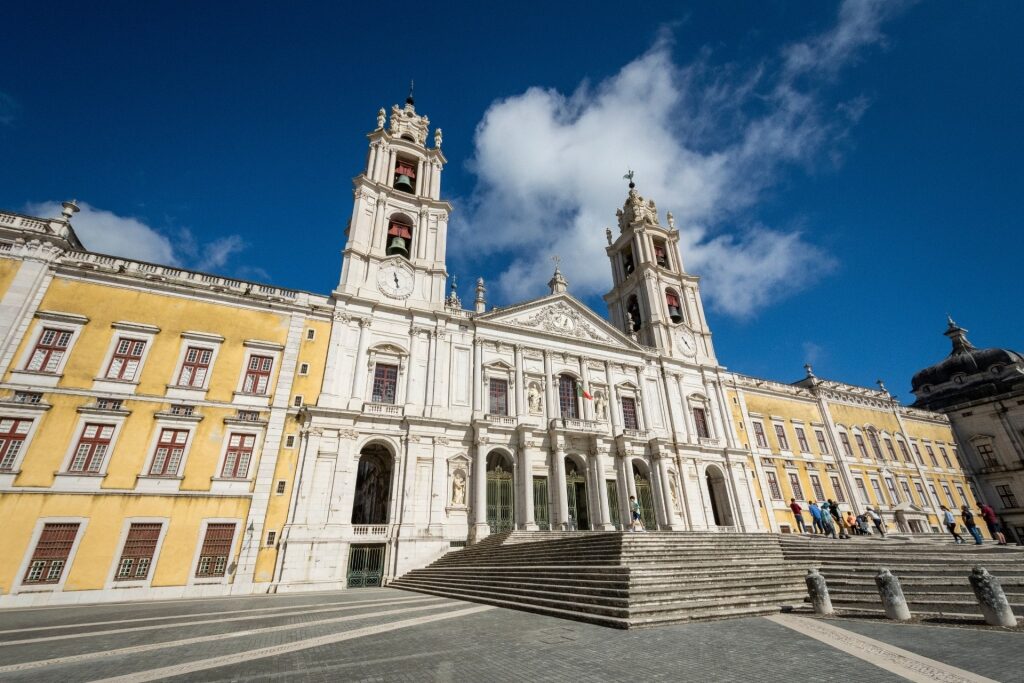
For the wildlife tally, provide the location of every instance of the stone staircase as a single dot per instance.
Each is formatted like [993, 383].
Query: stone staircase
[622, 580]
[932, 572]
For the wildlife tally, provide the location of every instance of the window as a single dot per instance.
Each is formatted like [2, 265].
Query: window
[183, 410]
[304, 369]
[920, 493]
[700, 418]
[310, 334]
[249, 415]
[877, 488]
[660, 253]
[675, 311]
[385, 383]
[109, 404]
[759, 437]
[862, 490]
[567, 396]
[819, 492]
[213, 558]
[405, 175]
[931, 454]
[633, 316]
[906, 489]
[891, 486]
[917, 452]
[289, 441]
[794, 483]
[51, 553]
[195, 367]
[840, 496]
[271, 538]
[1006, 496]
[12, 439]
[49, 350]
[92, 448]
[891, 450]
[963, 496]
[801, 440]
[845, 440]
[945, 457]
[949, 494]
[860, 446]
[875, 447]
[935, 494]
[773, 485]
[822, 443]
[627, 262]
[170, 449]
[987, 455]
[629, 420]
[257, 375]
[297, 401]
[399, 238]
[498, 397]
[124, 364]
[29, 397]
[780, 435]
[281, 485]
[904, 451]
[238, 456]
[138, 551]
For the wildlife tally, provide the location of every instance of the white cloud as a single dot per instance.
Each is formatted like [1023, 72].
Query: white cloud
[706, 142]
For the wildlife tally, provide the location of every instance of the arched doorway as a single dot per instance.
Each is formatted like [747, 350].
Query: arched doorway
[501, 509]
[645, 497]
[576, 494]
[373, 486]
[718, 494]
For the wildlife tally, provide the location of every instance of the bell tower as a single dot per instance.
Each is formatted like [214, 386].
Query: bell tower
[396, 244]
[653, 298]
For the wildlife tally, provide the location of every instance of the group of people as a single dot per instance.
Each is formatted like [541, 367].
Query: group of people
[987, 514]
[827, 519]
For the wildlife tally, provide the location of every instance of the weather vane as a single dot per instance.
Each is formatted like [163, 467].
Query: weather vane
[557, 260]
[412, 84]
[629, 177]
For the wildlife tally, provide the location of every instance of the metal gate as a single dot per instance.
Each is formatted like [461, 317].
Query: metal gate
[646, 500]
[500, 500]
[613, 503]
[576, 491]
[365, 565]
[541, 513]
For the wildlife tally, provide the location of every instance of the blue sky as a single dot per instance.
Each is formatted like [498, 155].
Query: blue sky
[844, 174]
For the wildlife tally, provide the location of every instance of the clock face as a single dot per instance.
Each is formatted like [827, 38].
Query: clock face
[687, 341]
[395, 281]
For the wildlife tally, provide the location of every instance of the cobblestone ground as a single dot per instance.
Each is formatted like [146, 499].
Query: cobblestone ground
[389, 635]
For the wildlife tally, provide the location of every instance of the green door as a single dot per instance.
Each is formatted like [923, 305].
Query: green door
[613, 503]
[541, 513]
[646, 500]
[365, 565]
[500, 505]
[576, 490]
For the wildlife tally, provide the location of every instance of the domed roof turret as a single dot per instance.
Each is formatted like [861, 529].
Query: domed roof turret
[967, 373]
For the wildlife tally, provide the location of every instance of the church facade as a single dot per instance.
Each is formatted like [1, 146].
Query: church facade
[169, 433]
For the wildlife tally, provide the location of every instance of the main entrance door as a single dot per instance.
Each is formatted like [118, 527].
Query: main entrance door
[646, 500]
[576, 491]
[613, 503]
[365, 565]
[500, 499]
[541, 513]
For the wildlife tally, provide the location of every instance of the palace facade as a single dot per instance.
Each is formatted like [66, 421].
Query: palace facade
[169, 433]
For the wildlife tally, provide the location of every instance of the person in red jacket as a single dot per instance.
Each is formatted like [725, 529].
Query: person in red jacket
[798, 512]
[992, 520]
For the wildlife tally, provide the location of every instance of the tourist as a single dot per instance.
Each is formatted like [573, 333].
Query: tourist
[950, 522]
[972, 528]
[996, 531]
[828, 528]
[798, 512]
[862, 525]
[815, 516]
[837, 519]
[634, 511]
[850, 522]
[876, 519]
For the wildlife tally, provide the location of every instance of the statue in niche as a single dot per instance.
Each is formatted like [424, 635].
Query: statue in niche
[600, 404]
[459, 488]
[672, 490]
[533, 397]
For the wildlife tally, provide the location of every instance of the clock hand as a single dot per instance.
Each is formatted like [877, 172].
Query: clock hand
[396, 280]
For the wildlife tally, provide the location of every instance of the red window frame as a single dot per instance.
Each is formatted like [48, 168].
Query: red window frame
[49, 350]
[385, 383]
[794, 483]
[838, 489]
[170, 451]
[822, 443]
[51, 553]
[195, 367]
[819, 492]
[567, 397]
[124, 364]
[700, 418]
[257, 375]
[773, 485]
[801, 440]
[213, 557]
[861, 446]
[759, 436]
[238, 455]
[93, 445]
[844, 438]
[660, 253]
[137, 552]
[13, 432]
[629, 415]
[497, 396]
[780, 435]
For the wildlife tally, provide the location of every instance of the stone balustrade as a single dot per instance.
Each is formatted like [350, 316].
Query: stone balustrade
[382, 409]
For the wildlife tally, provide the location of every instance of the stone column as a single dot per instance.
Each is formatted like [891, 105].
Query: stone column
[360, 371]
[642, 408]
[602, 490]
[480, 527]
[519, 389]
[549, 386]
[891, 592]
[478, 356]
[435, 190]
[994, 605]
[613, 401]
[420, 165]
[432, 340]
[389, 178]
[526, 465]
[377, 237]
[818, 592]
[588, 406]
[421, 237]
[562, 521]
[440, 497]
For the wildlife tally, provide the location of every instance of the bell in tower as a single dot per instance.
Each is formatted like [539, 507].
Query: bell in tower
[399, 237]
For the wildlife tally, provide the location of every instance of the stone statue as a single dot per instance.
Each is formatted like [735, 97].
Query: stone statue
[671, 220]
[459, 489]
[600, 403]
[672, 490]
[437, 138]
[380, 118]
[533, 397]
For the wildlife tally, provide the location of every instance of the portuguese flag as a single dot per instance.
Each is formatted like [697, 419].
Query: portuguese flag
[582, 393]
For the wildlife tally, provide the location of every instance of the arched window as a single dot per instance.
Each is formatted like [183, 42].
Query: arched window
[675, 309]
[661, 253]
[627, 261]
[399, 237]
[373, 486]
[568, 396]
[634, 321]
[405, 175]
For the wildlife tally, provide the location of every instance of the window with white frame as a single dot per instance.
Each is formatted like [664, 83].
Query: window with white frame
[920, 493]
[310, 334]
[862, 490]
[819, 492]
[385, 383]
[238, 455]
[297, 401]
[860, 446]
[170, 451]
[257, 375]
[945, 456]
[49, 350]
[963, 495]
[629, 414]
[935, 494]
[289, 441]
[822, 443]
[773, 485]
[92, 448]
[700, 420]
[794, 484]
[931, 455]
[216, 548]
[124, 363]
[13, 433]
[271, 538]
[904, 451]
[838, 489]
[759, 437]
[780, 436]
[844, 438]
[801, 440]
[50, 556]
[949, 494]
[890, 449]
[138, 551]
[877, 488]
[195, 367]
[303, 369]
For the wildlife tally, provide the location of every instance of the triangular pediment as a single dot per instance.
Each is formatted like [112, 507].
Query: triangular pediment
[561, 315]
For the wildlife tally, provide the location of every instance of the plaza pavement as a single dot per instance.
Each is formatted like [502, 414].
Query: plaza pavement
[390, 635]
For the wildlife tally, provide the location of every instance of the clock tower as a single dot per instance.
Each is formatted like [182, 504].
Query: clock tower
[395, 251]
[653, 298]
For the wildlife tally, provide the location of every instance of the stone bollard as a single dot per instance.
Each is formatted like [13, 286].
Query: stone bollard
[892, 596]
[992, 599]
[818, 591]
